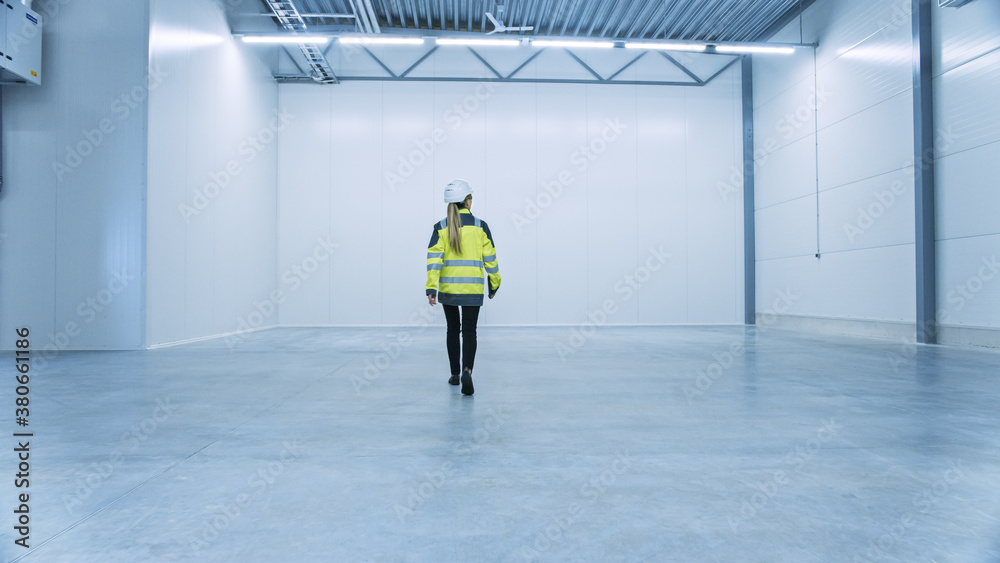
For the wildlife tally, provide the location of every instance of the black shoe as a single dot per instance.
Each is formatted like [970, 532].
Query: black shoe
[467, 383]
[453, 380]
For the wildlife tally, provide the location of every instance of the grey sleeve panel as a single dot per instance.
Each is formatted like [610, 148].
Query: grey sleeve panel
[489, 235]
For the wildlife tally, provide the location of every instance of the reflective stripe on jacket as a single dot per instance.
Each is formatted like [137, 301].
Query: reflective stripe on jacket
[457, 279]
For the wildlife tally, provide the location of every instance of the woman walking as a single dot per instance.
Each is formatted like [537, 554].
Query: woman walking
[461, 246]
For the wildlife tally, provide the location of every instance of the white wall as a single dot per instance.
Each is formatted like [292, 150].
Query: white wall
[865, 201]
[72, 209]
[212, 176]
[860, 216]
[656, 184]
[967, 147]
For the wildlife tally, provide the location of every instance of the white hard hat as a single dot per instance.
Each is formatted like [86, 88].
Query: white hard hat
[456, 191]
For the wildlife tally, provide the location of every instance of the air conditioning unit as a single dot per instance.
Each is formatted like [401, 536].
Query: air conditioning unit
[952, 3]
[20, 44]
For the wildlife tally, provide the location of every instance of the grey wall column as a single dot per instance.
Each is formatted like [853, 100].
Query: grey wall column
[749, 244]
[923, 164]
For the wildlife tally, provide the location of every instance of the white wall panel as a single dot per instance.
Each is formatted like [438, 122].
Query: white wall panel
[226, 101]
[562, 226]
[612, 213]
[967, 147]
[869, 143]
[408, 118]
[787, 118]
[872, 284]
[168, 187]
[305, 174]
[967, 192]
[786, 174]
[787, 229]
[358, 177]
[798, 277]
[870, 72]
[866, 214]
[969, 282]
[246, 241]
[774, 75]
[838, 25]
[511, 188]
[72, 209]
[864, 146]
[713, 122]
[961, 35]
[661, 158]
[966, 111]
[460, 147]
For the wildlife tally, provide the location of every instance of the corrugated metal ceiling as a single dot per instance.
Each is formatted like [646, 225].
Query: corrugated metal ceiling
[695, 20]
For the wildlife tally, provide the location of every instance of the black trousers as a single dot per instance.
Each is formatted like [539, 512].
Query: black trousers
[467, 326]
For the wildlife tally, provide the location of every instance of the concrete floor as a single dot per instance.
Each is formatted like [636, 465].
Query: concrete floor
[645, 444]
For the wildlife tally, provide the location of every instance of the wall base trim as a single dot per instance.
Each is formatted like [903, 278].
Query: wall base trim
[896, 330]
[969, 336]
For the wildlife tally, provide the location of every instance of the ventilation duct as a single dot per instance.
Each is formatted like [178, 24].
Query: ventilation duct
[20, 44]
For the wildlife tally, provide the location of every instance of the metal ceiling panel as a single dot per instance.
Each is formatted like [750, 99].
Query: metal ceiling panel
[693, 20]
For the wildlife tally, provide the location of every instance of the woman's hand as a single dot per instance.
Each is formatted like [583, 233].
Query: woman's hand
[432, 299]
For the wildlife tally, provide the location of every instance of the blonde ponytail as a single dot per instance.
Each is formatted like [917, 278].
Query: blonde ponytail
[455, 227]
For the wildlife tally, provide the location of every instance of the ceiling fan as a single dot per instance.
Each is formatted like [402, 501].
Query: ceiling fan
[499, 27]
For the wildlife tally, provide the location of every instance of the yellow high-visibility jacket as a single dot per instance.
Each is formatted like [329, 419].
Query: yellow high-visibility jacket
[457, 279]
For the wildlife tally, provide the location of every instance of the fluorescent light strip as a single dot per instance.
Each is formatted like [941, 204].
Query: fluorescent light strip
[754, 49]
[585, 44]
[665, 46]
[383, 40]
[287, 39]
[479, 42]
